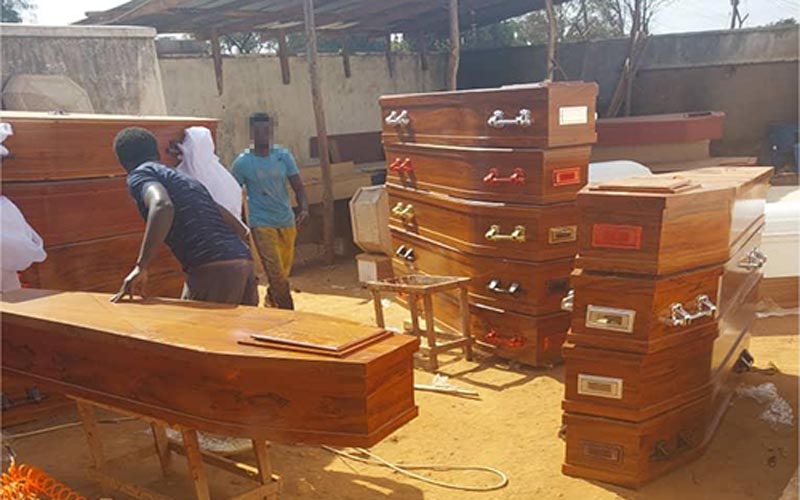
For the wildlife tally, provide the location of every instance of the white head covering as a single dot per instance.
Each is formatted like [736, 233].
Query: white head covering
[200, 162]
[21, 245]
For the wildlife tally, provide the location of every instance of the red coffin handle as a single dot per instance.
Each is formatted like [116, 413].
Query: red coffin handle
[514, 342]
[493, 177]
[401, 166]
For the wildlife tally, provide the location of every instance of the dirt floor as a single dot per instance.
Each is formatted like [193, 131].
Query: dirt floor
[513, 426]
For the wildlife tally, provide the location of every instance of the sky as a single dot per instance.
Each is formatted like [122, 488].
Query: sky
[680, 16]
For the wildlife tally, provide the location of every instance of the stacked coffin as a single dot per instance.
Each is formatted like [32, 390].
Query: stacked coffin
[482, 184]
[664, 294]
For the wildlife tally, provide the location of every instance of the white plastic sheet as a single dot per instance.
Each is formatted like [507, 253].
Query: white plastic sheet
[200, 162]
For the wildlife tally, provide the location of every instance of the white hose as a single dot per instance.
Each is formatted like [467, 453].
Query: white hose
[405, 469]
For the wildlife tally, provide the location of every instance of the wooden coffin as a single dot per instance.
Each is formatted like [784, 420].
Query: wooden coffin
[77, 210]
[660, 129]
[498, 230]
[519, 286]
[526, 339]
[636, 387]
[237, 371]
[671, 222]
[638, 313]
[541, 115]
[101, 265]
[47, 146]
[528, 176]
[633, 453]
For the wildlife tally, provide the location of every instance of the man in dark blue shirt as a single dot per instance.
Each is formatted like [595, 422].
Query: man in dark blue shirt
[206, 239]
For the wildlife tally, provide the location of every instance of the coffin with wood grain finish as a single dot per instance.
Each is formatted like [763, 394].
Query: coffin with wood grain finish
[539, 115]
[237, 371]
[498, 230]
[510, 175]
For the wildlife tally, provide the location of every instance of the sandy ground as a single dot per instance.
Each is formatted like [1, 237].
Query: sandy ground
[512, 427]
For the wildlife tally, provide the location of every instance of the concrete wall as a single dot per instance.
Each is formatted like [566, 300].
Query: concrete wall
[751, 75]
[115, 65]
[253, 83]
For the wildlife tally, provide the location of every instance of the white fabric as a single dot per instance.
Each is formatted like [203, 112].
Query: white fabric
[5, 131]
[606, 171]
[200, 162]
[21, 245]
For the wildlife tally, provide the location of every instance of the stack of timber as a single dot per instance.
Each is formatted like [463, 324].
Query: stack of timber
[664, 294]
[482, 184]
[236, 371]
[65, 178]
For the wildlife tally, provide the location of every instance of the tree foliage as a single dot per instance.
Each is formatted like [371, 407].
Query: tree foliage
[12, 11]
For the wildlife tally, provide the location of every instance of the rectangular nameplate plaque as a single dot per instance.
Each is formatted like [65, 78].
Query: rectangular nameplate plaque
[566, 176]
[603, 387]
[602, 451]
[610, 318]
[617, 236]
[573, 115]
[562, 234]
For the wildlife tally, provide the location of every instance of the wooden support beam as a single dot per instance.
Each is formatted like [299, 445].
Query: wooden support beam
[283, 54]
[216, 54]
[346, 56]
[389, 55]
[455, 47]
[194, 459]
[551, 38]
[423, 53]
[322, 132]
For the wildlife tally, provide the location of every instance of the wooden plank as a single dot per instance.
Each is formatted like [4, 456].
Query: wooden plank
[283, 55]
[346, 56]
[216, 55]
[455, 47]
[162, 447]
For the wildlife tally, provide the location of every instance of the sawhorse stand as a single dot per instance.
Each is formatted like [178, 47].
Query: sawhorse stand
[416, 286]
[269, 484]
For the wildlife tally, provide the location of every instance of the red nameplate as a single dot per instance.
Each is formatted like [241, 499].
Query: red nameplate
[566, 176]
[617, 236]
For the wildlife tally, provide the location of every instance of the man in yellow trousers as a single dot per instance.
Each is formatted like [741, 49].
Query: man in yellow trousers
[265, 171]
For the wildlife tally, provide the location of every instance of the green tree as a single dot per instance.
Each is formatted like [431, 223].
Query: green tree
[11, 11]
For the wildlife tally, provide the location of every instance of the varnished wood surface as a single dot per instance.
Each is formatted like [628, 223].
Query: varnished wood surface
[463, 224]
[51, 147]
[623, 453]
[548, 176]
[677, 231]
[659, 129]
[100, 266]
[650, 300]
[76, 210]
[460, 117]
[182, 362]
[530, 340]
[650, 383]
[541, 285]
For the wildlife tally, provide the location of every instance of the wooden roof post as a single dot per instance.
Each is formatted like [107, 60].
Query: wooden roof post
[455, 46]
[346, 56]
[389, 55]
[423, 56]
[216, 54]
[322, 132]
[283, 55]
[551, 39]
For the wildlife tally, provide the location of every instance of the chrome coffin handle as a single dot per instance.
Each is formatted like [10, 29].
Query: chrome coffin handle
[494, 234]
[406, 253]
[396, 118]
[404, 212]
[513, 288]
[568, 302]
[498, 119]
[679, 316]
[753, 260]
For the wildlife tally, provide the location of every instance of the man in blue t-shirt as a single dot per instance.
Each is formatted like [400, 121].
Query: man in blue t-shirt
[265, 172]
[206, 239]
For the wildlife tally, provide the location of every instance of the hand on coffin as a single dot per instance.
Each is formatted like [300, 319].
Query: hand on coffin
[136, 279]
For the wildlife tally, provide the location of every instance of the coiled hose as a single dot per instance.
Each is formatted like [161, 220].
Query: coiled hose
[24, 482]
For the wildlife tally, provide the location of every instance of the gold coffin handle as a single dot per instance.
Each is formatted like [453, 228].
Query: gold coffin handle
[494, 234]
[404, 212]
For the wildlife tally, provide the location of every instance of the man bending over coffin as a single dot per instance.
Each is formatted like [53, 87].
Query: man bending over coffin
[206, 238]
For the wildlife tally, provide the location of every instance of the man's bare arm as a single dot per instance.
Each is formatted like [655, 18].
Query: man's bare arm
[300, 194]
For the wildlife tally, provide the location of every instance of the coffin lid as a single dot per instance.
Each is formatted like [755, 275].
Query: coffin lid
[654, 184]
